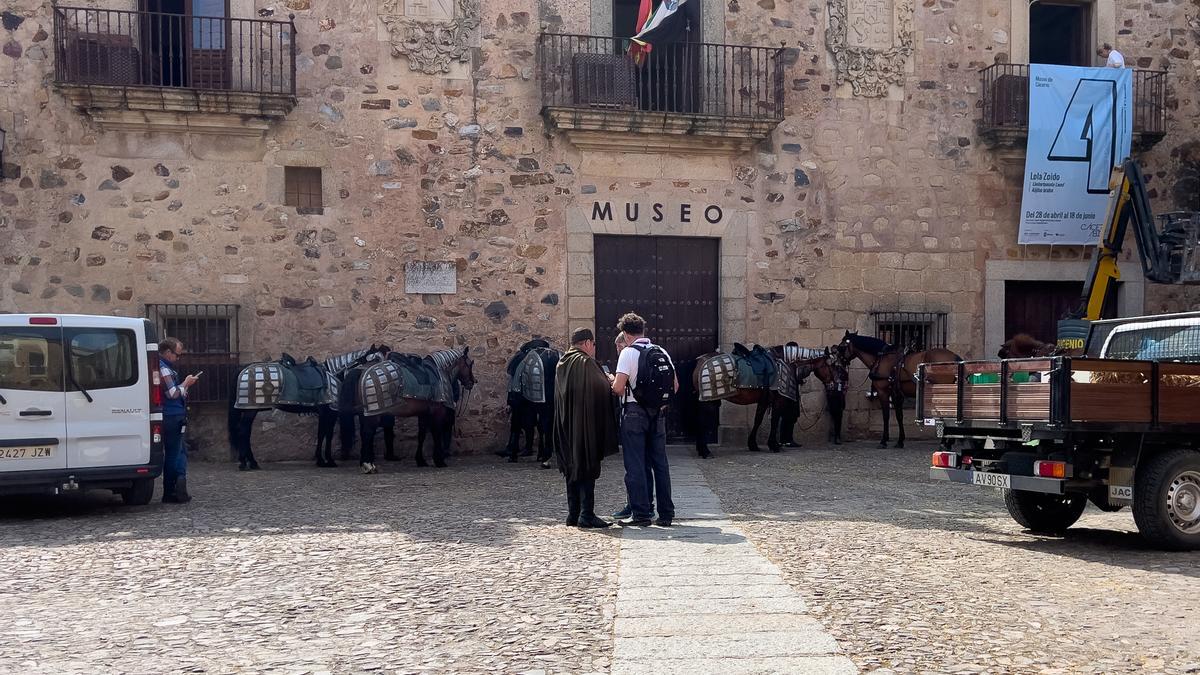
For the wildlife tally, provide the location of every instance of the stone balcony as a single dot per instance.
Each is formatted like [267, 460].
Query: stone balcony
[157, 71]
[1004, 124]
[688, 98]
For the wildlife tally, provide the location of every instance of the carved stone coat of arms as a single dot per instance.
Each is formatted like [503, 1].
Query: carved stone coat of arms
[432, 34]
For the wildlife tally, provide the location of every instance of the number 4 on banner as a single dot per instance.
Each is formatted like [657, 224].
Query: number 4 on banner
[1087, 133]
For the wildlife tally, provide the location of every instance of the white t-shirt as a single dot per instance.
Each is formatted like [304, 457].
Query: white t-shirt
[1116, 59]
[627, 363]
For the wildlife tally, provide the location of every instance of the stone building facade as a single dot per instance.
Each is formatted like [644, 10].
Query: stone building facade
[463, 192]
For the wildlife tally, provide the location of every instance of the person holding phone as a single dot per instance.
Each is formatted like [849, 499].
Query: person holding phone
[174, 421]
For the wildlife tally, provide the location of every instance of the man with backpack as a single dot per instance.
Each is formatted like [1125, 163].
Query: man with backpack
[646, 383]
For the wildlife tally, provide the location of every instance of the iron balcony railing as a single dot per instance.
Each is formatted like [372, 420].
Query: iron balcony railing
[158, 49]
[693, 78]
[1006, 100]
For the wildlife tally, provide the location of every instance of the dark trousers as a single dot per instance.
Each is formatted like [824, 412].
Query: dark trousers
[175, 453]
[581, 500]
[644, 451]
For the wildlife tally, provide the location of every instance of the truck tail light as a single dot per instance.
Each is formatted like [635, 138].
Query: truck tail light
[945, 460]
[156, 432]
[1048, 469]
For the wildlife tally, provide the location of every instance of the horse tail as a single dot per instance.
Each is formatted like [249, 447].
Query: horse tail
[348, 391]
[233, 416]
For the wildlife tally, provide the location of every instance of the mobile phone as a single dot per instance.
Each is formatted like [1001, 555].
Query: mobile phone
[606, 370]
[198, 374]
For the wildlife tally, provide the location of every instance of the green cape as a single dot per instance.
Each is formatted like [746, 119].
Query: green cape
[585, 426]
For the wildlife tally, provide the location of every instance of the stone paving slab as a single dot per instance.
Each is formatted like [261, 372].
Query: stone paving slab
[709, 624]
[807, 665]
[699, 598]
[794, 641]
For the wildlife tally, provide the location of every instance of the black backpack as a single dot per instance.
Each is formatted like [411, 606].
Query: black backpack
[655, 377]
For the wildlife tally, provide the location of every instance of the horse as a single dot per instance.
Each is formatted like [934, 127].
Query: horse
[1024, 346]
[892, 373]
[784, 409]
[833, 375]
[531, 399]
[380, 391]
[257, 388]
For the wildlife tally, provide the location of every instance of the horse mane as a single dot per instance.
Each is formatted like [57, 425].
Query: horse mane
[866, 343]
[446, 358]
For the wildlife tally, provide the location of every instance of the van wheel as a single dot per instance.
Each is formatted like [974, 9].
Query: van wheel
[140, 494]
[1044, 513]
[1166, 500]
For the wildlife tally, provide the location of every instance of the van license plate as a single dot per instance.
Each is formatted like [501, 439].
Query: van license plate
[997, 480]
[34, 452]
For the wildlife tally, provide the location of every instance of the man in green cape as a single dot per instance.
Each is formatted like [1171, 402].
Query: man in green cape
[585, 431]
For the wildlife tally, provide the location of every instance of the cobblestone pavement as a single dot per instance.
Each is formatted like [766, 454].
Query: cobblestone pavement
[916, 576]
[294, 569]
[468, 569]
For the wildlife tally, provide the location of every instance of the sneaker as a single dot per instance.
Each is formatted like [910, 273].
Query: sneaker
[623, 513]
[663, 522]
[634, 522]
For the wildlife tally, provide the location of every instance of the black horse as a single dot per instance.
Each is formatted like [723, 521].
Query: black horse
[525, 415]
[240, 421]
[379, 392]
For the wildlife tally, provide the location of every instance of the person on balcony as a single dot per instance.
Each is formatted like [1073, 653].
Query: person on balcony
[1112, 57]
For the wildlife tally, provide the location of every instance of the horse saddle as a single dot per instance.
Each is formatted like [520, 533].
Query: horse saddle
[421, 369]
[755, 367]
[304, 383]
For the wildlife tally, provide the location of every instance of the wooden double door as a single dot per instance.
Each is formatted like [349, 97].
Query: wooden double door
[672, 282]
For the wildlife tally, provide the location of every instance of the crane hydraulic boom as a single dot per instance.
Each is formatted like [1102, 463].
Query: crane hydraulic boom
[1168, 255]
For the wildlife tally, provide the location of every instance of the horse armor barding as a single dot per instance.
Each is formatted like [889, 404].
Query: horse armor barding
[258, 386]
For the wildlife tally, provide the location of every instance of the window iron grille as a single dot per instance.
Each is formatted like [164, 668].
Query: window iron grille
[911, 330]
[211, 336]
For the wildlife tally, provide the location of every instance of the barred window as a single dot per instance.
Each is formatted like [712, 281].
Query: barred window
[916, 330]
[302, 188]
[211, 340]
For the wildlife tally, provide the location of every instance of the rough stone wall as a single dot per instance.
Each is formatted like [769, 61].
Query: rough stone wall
[856, 204]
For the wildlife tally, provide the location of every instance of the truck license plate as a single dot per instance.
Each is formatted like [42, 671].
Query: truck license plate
[33, 452]
[997, 480]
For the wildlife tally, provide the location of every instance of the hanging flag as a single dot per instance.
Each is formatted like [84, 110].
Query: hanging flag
[666, 25]
[637, 51]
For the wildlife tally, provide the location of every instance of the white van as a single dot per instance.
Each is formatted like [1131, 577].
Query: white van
[80, 405]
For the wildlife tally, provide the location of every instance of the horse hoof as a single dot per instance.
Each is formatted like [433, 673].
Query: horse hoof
[331, 464]
[440, 465]
[774, 448]
[368, 468]
[837, 441]
[900, 444]
[882, 444]
[705, 455]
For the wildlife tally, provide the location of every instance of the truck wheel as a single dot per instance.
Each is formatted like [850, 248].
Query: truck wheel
[140, 494]
[1044, 513]
[1166, 500]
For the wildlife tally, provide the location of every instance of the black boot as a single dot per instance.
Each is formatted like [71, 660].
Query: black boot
[573, 504]
[587, 515]
[181, 493]
[169, 493]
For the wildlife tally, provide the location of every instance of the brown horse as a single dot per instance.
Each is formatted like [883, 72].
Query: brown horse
[784, 410]
[1025, 346]
[892, 373]
[833, 374]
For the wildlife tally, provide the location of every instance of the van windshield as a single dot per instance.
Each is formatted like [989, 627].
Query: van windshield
[31, 359]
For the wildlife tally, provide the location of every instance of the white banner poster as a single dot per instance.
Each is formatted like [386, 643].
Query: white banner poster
[1080, 127]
